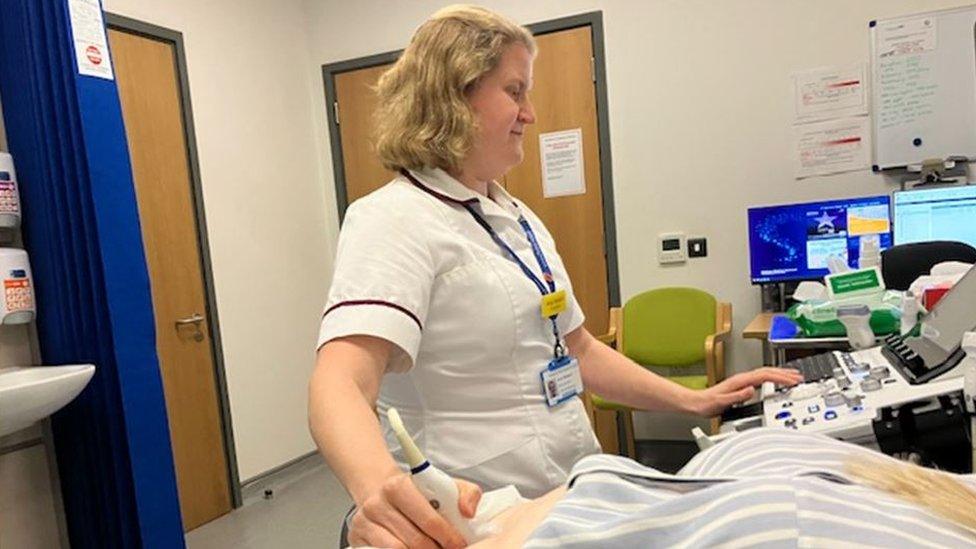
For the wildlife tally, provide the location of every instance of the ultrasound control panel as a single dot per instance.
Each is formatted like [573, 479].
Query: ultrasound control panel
[844, 404]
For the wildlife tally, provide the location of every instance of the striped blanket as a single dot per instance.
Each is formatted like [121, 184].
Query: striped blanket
[763, 488]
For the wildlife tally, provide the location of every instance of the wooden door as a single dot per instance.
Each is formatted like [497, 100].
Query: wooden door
[354, 92]
[564, 96]
[149, 88]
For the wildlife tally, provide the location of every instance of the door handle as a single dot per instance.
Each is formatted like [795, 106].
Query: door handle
[196, 320]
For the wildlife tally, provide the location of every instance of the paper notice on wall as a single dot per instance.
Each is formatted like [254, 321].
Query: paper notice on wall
[833, 92]
[88, 34]
[907, 37]
[834, 146]
[562, 163]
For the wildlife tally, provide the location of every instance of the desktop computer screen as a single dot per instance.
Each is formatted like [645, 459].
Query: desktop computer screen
[944, 213]
[793, 241]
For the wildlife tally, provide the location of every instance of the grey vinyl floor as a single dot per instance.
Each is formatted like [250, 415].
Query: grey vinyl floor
[306, 511]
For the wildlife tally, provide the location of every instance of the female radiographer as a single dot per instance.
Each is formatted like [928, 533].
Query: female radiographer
[450, 302]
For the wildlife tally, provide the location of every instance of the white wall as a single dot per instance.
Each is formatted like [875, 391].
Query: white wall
[266, 213]
[29, 506]
[699, 108]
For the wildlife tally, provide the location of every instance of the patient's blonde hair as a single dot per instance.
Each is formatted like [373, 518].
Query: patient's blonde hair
[935, 490]
[423, 119]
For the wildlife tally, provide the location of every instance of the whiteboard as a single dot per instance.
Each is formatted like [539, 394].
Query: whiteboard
[924, 93]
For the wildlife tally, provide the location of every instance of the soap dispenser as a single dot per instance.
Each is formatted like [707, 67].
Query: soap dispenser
[9, 195]
[17, 302]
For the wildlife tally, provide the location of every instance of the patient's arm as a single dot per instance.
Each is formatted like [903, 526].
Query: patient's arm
[517, 523]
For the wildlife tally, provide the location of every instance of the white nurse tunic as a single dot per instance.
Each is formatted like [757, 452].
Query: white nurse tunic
[415, 268]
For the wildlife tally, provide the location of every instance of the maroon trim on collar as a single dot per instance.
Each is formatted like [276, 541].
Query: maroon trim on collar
[403, 310]
[432, 192]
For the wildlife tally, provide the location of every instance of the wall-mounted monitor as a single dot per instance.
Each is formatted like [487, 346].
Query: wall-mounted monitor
[793, 241]
[942, 213]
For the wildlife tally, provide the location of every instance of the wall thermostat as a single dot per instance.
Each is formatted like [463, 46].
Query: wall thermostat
[671, 248]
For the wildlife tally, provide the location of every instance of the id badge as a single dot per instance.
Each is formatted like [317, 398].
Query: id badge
[553, 304]
[561, 380]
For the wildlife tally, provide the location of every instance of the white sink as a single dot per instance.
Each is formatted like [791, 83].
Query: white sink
[30, 394]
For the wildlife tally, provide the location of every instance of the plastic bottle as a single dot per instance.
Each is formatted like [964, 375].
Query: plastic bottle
[869, 251]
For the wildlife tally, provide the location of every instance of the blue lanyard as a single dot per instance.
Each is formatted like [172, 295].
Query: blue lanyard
[539, 257]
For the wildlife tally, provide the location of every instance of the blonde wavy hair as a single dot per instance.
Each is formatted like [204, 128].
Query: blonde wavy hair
[424, 119]
[937, 491]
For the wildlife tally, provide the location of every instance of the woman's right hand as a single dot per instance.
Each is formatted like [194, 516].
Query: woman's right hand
[397, 515]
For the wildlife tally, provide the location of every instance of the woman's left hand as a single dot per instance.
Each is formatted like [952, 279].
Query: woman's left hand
[742, 387]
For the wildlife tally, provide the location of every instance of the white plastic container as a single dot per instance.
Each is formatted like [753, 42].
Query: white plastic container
[9, 194]
[869, 251]
[17, 302]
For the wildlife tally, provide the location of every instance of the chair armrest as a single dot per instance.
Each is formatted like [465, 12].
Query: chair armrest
[715, 343]
[725, 321]
[613, 330]
[609, 338]
[724, 328]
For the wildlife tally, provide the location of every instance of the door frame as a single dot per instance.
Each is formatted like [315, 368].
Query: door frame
[594, 20]
[175, 38]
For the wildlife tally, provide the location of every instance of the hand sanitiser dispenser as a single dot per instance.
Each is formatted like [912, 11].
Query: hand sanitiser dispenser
[439, 488]
[17, 304]
[9, 196]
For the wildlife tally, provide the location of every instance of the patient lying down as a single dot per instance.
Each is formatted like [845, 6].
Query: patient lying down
[761, 488]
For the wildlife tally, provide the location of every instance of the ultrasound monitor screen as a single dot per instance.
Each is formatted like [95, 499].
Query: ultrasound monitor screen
[944, 213]
[793, 241]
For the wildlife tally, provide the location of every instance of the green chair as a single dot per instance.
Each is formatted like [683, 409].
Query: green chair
[670, 331]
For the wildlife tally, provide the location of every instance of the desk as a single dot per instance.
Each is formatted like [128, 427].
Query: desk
[774, 350]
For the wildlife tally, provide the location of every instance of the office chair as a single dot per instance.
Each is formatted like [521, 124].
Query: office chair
[668, 330]
[902, 264]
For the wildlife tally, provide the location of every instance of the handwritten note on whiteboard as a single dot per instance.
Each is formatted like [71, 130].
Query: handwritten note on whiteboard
[905, 74]
[899, 38]
[923, 85]
[562, 163]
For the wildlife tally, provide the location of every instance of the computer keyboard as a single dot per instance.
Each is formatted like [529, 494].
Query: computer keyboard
[815, 368]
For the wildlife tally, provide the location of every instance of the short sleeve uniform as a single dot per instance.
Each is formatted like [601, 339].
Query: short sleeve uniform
[415, 268]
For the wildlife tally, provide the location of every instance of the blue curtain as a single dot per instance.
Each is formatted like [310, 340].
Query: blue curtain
[81, 229]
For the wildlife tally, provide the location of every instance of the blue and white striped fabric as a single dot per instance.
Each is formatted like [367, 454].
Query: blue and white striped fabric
[763, 488]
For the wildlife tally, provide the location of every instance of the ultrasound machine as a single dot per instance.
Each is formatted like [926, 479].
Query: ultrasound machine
[903, 396]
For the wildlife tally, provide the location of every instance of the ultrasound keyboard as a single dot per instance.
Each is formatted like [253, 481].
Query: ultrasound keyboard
[816, 368]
